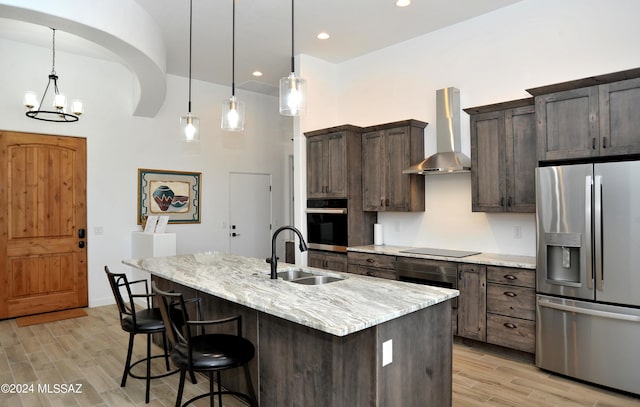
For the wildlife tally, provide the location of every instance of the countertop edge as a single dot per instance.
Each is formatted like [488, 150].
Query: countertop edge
[489, 259]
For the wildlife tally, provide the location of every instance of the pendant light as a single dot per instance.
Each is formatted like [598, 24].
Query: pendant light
[190, 124]
[59, 101]
[293, 89]
[233, 109]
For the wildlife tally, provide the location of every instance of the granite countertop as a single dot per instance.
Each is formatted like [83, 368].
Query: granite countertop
[490, 259]
[338, 308]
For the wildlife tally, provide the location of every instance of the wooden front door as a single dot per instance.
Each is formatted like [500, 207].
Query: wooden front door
[43, 254]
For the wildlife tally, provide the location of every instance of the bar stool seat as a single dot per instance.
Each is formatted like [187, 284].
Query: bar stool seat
[135, 320]
[195, 350]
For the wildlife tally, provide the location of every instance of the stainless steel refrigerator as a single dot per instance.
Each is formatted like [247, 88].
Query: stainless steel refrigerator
[588, 272]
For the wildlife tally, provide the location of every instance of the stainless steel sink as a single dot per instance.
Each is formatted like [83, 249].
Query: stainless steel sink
[316, 280]
[307, 278]
[293, 274]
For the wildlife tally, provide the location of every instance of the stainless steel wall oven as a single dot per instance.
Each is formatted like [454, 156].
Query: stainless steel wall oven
[327, 224]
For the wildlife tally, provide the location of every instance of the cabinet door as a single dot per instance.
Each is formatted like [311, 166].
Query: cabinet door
[472, 303]
[487, 162]
[336, 166]
[567, 124]
[398, 158]
[520, 159]
[327, 260]
[619, 118]
[327, 166]
[373, 171]
[316, 159]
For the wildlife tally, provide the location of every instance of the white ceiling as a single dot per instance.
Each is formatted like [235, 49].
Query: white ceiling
[263, 33]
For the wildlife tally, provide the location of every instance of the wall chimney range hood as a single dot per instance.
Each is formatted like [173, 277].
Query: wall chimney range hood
[448, 158]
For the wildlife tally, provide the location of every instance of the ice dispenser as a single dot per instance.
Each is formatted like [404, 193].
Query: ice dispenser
[563, 258]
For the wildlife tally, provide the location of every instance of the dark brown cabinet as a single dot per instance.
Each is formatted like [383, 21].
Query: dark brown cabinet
[387, 150]
[503, 157]
[374, 265]
[472, 303]
[327, 166]
[511, 308]
[591, 117]
[327, 260]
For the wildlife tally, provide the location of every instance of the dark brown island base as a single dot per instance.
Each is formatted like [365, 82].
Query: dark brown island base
[358, 341]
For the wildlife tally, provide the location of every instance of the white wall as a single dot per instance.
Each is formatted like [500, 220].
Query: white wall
[492, 58]
[119, 143]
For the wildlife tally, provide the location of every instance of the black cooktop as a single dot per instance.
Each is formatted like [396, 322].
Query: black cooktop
[439, 252]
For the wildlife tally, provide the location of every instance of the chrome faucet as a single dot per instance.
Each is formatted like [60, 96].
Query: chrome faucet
[274, 259]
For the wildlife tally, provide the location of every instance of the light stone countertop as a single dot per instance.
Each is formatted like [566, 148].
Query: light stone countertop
[489, 259]
[338, 308]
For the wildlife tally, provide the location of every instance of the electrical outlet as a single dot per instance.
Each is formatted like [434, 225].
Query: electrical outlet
[517, 232]
[387, 352]
[98, 230]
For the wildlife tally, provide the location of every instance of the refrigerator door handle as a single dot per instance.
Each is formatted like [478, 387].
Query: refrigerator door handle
[588, 244]
[592, 312]
[597, 225]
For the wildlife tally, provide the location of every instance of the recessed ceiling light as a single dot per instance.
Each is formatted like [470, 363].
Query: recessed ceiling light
[257, 73]
[323, 36]
[403, 3]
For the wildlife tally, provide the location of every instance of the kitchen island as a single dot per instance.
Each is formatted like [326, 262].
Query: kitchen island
[359, 341]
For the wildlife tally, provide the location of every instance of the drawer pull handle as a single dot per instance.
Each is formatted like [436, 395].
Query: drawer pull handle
[510, 294]
[370, 260]
[510, 277]
[510, 325]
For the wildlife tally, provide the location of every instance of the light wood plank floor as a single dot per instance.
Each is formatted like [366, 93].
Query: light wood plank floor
[90, 351]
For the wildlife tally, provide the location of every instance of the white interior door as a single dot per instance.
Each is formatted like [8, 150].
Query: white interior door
[250, 214]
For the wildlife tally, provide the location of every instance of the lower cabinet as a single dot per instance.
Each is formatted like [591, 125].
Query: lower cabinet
[374, 265]
[511, 311]
[497, 305]
[472, 305]
[327, 260]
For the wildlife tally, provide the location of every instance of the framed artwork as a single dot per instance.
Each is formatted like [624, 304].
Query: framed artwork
[169, 193]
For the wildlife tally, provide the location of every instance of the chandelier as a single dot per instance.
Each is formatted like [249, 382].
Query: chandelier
[59, 113]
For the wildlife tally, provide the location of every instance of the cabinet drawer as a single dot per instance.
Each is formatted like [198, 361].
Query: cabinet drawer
[327, 260]
[372, 260]
[511, 276]
[511, 301]
[372, 271]
[512, 333]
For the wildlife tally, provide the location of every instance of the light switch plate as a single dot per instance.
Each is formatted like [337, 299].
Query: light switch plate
[387, 352]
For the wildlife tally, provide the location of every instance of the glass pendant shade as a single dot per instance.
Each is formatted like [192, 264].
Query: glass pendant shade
[76, 107]
[293, 95]
[190, 127]
[233, 114]
[31, 101]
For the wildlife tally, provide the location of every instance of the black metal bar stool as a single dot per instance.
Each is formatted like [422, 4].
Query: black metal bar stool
[137, 320]
[209, 353]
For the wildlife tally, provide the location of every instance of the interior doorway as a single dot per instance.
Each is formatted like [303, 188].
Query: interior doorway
[43, 221]
[250, 214]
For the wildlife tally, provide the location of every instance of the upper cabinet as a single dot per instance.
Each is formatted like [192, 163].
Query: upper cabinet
[326, 166]
[591, 117]
[330, 154]
[387, 150]
[503, 157]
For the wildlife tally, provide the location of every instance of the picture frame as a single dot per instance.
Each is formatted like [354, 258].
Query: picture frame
[169, 193]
